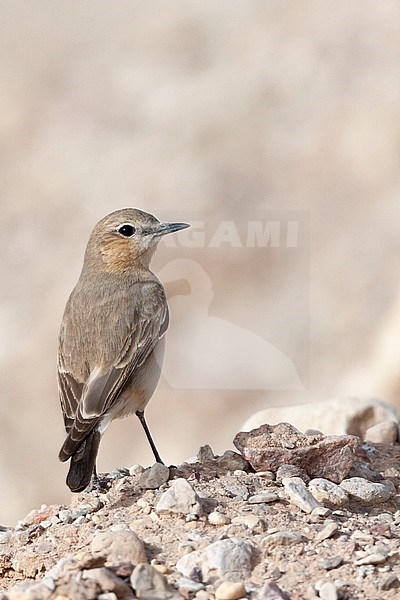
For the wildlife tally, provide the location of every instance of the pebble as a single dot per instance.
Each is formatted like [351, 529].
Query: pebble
[180, 498]
[286, 471]
[237, 491]
[250, 521]
[217, 518]
[283, 538]
[368, 492]
[108, 581]
[267, 475]
[263, 497]
[192, 460]
[136, 470]
[119, 546]
[5, 537]
[331, 563]
[203, 595]
[149, 584]
[230, 590]
[372, 559]
[232, 461]
[341, 584]
[328, 591]
[65, 516]
[118, 474]
[205, 454]
[391, 582]
[328, 493]
[80, 520]
[270, 591]
[382, 433]
[320, 511]
[228, 559]
[188, 585]
[298, 494]
[163, 569]
[153, 478]
[327, 532]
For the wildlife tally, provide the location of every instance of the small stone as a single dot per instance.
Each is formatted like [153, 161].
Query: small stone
[331, 563]
[237, 491]
[135, 470]
[217, 518]
[118, 474]
[149, 584]
[65, 516]
[321, 511]
[270, 591]
[267, 475]
[286, 471]
[203, 595]
[299, 495]
[328, 591]
[341, 584]
[360, 469]
[372, 559]
[180, 498]
[230, 590]
[327, 532]
[5, 537]
[382, 433]
[389, 583]
[311, 431]
[108, 582]
[284, 538]
[328, 493]
[153, 478]
[368, 492]
[228, 559]
[205, 454]
[188, 585]
[119, 546]
[232, 461]
[263, 497]
[250, 521]
[163, 569]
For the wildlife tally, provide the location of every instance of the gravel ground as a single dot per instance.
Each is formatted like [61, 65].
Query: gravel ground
[213, 530]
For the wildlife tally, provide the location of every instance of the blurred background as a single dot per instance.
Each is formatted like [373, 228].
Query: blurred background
[220, 114]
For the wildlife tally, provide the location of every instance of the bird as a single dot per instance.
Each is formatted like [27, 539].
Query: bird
[112, 338]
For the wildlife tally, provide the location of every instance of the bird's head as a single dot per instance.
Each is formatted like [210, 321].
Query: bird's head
[126, 237]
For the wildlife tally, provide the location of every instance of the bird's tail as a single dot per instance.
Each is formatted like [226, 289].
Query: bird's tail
[83, 462]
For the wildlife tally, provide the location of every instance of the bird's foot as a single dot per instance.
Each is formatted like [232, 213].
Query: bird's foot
[95, 485]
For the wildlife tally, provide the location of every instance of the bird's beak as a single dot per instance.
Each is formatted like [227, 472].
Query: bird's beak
[164, 228]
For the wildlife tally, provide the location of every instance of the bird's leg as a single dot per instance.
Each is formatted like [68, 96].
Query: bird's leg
[94, 485]
[140, 415]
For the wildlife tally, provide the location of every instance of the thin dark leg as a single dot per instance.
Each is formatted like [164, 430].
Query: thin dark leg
[94, 484]
[140, 415]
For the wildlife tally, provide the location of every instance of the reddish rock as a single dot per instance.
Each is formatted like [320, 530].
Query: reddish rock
[270, 446]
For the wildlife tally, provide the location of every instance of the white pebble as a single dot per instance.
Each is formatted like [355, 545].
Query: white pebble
[328, 493]
[230, 590]
[136, 470]
[368, 492]
[298, 494]
[217, 518]
[372, 559]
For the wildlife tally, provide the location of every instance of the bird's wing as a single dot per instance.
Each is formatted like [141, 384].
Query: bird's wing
[85, 403]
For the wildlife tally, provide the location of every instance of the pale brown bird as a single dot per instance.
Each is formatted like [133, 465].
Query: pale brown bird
[111, 342]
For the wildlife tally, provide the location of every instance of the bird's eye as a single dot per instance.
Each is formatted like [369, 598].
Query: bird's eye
[126, 230]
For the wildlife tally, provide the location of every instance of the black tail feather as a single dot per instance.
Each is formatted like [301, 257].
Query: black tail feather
[83, 463]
